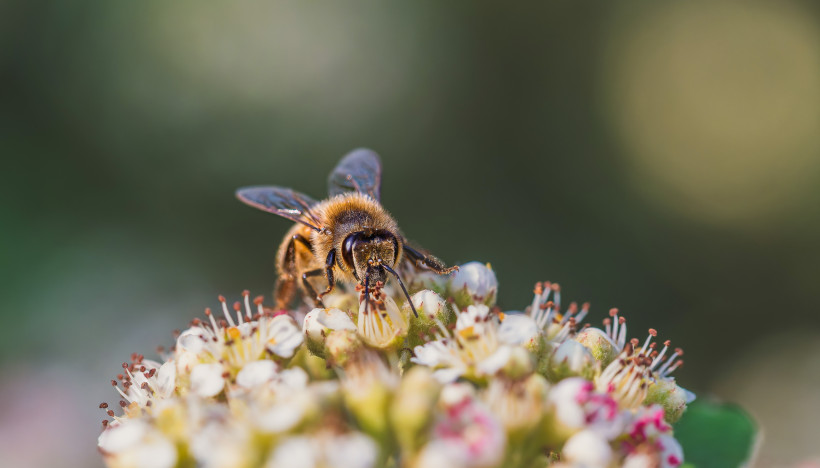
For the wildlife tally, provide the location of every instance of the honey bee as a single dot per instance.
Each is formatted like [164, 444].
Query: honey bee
[347, 237]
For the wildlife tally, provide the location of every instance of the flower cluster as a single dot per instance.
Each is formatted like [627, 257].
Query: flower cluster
[366, 383]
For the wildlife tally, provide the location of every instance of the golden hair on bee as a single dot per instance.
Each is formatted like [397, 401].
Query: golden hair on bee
[348, 237]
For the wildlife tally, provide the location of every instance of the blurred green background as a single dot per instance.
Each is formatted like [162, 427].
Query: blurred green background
[663, 158]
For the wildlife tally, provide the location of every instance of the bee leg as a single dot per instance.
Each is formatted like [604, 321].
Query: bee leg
[422, 260]
[331, 259]
[285, 289]
[309, 287]
[286, 286]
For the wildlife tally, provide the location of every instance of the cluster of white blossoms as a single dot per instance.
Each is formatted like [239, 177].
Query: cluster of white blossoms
[365, 383]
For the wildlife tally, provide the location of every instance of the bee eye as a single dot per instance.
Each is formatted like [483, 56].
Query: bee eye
[395, 249]
[347, 249]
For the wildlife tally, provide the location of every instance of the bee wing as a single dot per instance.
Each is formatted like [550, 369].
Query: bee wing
[281, 201]
[359, 171]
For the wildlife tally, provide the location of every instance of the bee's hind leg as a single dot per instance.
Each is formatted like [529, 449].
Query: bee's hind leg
[286, 284]
[284, 291]
[427, 261]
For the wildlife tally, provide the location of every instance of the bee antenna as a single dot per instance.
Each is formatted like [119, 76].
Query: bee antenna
[401, 283]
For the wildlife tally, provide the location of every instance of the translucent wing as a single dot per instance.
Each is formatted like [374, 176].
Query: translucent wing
[281, 201]
[359, 171]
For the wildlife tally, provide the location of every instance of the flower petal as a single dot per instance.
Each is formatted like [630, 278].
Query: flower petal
[207, 380]
[122, 435]
[518, 329]
[256, 373]
[166, 379]
[494, 362]
[588, 448]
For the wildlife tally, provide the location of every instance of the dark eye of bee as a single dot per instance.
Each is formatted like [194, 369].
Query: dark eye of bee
[395, 247]
[351, 241]
[347, 249]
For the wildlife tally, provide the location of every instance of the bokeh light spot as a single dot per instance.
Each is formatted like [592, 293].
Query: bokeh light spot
[716, 104]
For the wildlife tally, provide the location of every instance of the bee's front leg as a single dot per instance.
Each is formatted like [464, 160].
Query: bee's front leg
[309, 287]
[328, 272]
[427, 261]
[331, 282]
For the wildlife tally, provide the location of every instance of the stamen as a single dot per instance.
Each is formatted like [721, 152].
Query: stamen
[614, 314]
[258, 300]
[246, 295]
[225, 311]
[536, 299]
[571, 310]
[672, 369]
[659, 358]
[583, 313]
[237, 307]
[664, 369]
[622, 335]
[652, 333]
[556, 295]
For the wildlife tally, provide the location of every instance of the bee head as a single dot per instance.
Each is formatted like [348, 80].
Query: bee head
[366, 253]
[370, 255]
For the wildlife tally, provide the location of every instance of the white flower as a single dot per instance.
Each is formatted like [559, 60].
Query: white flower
[545, 310]
[223, 443]
[646, 424]
[256, 373]
[289, 380]
[473, 347]
[577, 406]
[380, 322]
[207, 380]
[325, 450]
[599, 344]
[571, 359]
[465, 435]
[351, 450]
[368, 384]
[235, 393]
[428, 304]
[412, 407]
[626, 378]
[133, 443]
[518, 404]
[442, 357]
[284, 414]
[519, 330]
[589, 449]
[649, 440]
[234, 343]
[474, 283]
[283, 335]
[291, 401]
[671, 453]
[145, 381]
[319, 323]
[294, 452]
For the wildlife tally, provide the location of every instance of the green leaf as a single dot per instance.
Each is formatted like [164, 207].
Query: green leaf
[716, 435]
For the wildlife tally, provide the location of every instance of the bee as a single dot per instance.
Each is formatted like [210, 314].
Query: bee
[347, 237]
